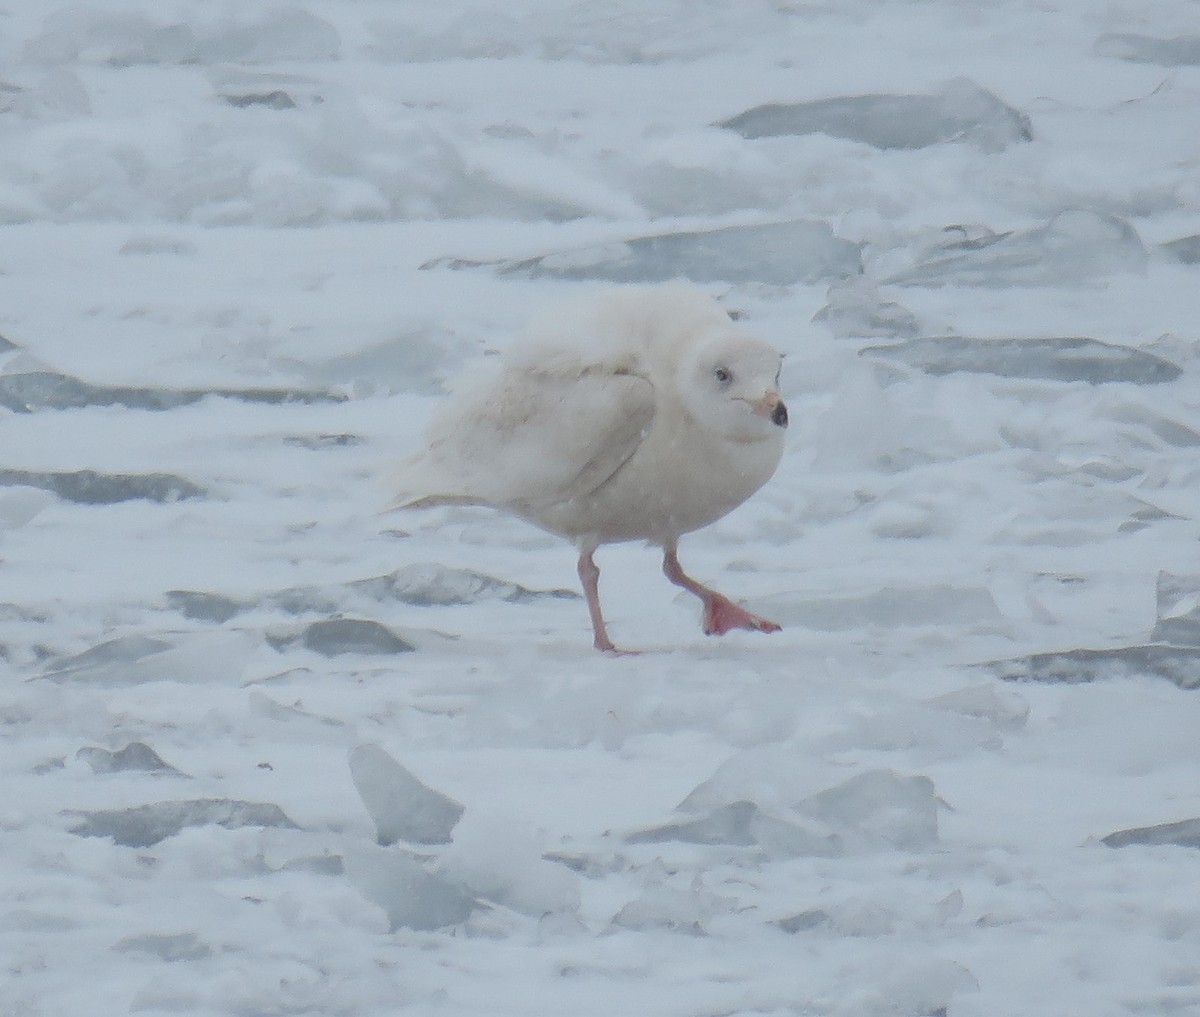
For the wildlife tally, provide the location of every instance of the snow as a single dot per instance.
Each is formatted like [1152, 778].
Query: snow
[245, 248]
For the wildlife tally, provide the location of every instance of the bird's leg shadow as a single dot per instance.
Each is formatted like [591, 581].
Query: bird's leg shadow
[721, 614]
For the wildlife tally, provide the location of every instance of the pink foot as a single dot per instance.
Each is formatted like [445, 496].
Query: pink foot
[722, 615]
[605, 646]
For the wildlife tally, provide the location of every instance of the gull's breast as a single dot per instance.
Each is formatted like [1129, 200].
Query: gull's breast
[676, 482]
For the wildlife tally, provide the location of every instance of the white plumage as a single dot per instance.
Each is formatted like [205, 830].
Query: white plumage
[642, 414]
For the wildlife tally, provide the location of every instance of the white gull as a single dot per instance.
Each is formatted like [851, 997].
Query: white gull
[641, 414]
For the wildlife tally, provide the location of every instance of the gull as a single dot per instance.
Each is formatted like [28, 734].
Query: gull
[642, 413]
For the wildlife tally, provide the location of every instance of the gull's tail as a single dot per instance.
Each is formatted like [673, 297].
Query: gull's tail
[422, 483]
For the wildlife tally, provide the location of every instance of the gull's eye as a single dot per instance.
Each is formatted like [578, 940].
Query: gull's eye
[723, 375]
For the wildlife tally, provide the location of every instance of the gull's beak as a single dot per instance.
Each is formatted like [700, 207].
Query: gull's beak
[772, 407]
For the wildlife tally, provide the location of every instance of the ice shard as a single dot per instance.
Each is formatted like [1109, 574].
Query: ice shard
[1185, 833]
[1178, 610]
[401, 806]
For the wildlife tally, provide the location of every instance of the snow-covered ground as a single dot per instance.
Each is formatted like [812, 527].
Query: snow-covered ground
[244, 246]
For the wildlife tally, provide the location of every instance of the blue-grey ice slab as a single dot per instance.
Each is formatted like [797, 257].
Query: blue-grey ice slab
[873, 809]
[1178, 611]
[1177, 664]
[332, 637]
[727, 824]
[1185, 249]
[286, 713]
[959, 111]
[60, 95]
[146, 825]
[1185, 833]
[134, 756]
[201, 606]
[857, 309]
[301, 600]
[88, 487]
[746, 824]
[661, 905]
[1178, 51]
[277, 98]
[1166, 429]
[29, 391]
[136, 659]
[401, 806]
[881, 806]
[321, 442]
[166, 946]
[779, 253]
[1074, 246]
[321, 865]
[418, 359]
[412, 897]
[1001, 706]
[126, 38]
[157, 243]
[805, 921]
[421, 584]
[102, 659]
[19, 506]
[1068, 358]
[428, 584]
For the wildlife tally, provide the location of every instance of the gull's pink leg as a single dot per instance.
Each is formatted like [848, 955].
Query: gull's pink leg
[720, 613]
[589, 576]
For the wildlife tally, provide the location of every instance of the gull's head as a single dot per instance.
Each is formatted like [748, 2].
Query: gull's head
[730, 385]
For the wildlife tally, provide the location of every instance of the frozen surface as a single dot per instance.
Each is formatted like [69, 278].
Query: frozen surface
[244, 250]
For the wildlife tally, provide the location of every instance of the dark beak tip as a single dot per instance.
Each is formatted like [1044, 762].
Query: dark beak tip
[779, 416]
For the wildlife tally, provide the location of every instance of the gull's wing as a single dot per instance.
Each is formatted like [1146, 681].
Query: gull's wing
[531, 438]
